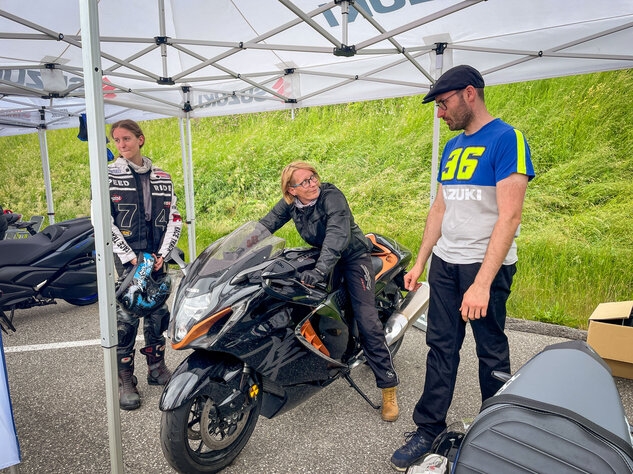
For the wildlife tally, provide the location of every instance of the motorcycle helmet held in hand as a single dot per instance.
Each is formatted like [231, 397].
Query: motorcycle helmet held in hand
[140, 293]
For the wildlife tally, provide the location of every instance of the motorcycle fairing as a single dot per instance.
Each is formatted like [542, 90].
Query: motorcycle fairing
[212, 275]
[29, 251]
[58, 262]
[325, 336]
[196, 375]
[78, 281]
[268, 343]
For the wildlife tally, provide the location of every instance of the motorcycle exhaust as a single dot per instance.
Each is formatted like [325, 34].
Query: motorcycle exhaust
[414, 305]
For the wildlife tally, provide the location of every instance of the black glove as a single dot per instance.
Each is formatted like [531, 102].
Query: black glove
[312, 277]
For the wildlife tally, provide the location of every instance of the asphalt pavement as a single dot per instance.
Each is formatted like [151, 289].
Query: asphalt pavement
[58, 395]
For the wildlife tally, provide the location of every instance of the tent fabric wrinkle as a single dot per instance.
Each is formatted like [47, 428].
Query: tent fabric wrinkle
[195, 58]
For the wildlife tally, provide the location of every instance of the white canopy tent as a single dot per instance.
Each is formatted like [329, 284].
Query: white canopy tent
[197, 58]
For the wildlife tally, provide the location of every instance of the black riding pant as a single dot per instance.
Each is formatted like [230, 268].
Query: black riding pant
[153, 327]
[359, 280]
[445, 335]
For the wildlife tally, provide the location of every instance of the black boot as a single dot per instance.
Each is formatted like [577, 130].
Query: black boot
[129, 398]
[157, 371]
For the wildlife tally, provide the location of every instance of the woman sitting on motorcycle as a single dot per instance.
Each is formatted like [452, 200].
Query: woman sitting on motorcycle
[323, 219]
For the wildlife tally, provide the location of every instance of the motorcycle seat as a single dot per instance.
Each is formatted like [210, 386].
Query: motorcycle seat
[31, 249]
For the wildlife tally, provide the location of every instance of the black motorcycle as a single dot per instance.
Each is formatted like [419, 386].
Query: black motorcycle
[264, 342]
[56, 263]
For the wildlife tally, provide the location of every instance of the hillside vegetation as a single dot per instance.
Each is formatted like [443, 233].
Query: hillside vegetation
[576, 243]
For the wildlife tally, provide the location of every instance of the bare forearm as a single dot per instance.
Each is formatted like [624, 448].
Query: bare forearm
[500, 242]
[432, 233]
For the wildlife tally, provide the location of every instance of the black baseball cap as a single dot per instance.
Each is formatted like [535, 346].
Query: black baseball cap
[455, 78]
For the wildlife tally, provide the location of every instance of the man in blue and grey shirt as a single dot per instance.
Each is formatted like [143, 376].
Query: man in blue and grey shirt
[470, 232]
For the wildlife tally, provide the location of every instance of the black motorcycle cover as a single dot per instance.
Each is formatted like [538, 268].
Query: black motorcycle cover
[560, 413]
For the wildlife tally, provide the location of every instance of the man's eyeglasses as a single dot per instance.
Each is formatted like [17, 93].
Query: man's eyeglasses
[306, 182]
[442, 103]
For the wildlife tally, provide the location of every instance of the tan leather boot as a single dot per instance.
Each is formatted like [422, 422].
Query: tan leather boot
[390, 410]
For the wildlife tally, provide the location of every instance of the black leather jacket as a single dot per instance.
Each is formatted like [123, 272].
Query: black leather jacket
[328, 224]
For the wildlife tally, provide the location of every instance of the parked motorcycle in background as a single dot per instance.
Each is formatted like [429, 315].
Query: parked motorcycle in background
[56, 263]
[264, 342]
[19, 228]
[560, 412]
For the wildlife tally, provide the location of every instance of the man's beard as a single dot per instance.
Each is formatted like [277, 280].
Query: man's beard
[461, 117]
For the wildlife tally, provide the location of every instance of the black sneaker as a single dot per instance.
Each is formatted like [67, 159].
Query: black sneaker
[416, 446]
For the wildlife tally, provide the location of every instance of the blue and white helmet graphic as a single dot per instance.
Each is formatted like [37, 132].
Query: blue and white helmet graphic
[140, 293]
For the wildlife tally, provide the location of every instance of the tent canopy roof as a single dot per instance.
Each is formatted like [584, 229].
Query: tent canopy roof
[169, 58]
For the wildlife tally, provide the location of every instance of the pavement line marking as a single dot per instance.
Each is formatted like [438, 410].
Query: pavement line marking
[57, 345]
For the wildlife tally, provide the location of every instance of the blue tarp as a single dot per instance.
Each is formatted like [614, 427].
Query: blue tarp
[10, 452]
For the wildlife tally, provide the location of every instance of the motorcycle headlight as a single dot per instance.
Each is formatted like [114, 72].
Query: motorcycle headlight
[191, 310]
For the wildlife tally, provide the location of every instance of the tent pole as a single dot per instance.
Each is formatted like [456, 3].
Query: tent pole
[185, 175]
[421, 322]
[344, 21]
[435, 154]
[47, 175]
[89, 16]
[163, 46]
[439, 63]
[191, 210]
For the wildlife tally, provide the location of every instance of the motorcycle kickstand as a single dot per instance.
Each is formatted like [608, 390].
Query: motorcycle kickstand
[6, 322]
[362, 394]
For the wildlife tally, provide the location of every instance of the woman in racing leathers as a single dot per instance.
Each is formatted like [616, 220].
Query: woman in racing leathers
[144, 219]
[323, 219]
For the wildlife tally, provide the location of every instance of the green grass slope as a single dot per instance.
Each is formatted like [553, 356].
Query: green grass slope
[576, 244]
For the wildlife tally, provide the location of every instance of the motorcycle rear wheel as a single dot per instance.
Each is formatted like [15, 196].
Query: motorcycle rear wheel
[191, 448]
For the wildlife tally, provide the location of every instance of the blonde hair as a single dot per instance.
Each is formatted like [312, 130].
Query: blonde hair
[286, 177]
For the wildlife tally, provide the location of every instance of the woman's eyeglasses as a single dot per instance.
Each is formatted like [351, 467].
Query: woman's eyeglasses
[306, 182]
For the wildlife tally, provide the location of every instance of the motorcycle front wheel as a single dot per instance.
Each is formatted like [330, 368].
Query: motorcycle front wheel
[195, 440]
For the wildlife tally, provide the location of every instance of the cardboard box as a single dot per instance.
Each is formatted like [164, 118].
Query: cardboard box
[611, 337]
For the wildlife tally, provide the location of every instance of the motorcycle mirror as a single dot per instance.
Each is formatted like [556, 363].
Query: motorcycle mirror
[177, 257]
[278, 275]
[279, 270]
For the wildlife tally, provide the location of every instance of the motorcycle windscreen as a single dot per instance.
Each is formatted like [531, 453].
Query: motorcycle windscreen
[240, 250]
[206, 287]
[235, 247]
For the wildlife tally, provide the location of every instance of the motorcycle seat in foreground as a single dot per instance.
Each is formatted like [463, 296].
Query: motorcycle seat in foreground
[26, 251]
[560, 413]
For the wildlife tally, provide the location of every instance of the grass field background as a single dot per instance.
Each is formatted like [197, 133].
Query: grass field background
[576, 242]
